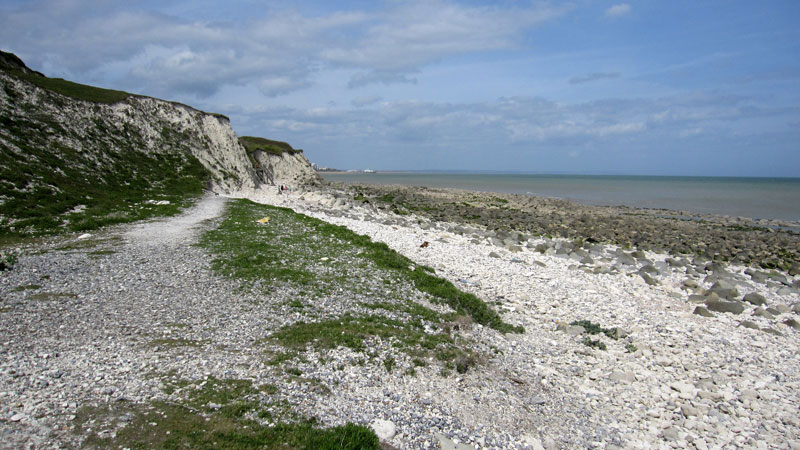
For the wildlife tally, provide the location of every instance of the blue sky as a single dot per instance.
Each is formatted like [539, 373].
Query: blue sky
[597, 87]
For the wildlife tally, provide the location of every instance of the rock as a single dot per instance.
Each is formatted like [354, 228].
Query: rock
[749, 394]
[749, 324]
[649, 280]
[690, 283]
[626, 260]
[84, 236]
[755, 298]
[772, 331]
[16, 417]
[792, 323]
[575, 330]
[794, 269]
[702, 311]
[493, 255]
[671, 434]
[513, 248]
[761, 312]
[689, 411]
[624, 377]
[733, 307]
[648, 268]
[724, 289]
[446, 444]
[697, 298]
[384, 429]
[782, 309]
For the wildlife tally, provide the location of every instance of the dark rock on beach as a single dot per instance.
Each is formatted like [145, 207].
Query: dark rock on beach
[769, 244]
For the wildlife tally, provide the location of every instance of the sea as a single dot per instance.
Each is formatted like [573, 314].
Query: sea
[757, 198]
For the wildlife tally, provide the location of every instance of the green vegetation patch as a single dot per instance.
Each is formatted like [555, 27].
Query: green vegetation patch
[70, 89]
[212, 414]
[252, 144]
[290, 249]
[593, 328]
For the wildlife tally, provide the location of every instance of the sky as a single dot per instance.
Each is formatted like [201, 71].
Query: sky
[650, 87]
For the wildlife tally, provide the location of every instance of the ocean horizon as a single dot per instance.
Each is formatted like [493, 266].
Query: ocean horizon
[753, 197]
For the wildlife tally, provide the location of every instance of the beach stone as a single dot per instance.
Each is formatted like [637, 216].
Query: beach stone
[749, 324]
[691, 283]
[783, 309]
[772, 331]
[755, 298]
[792, 323]
[493, 255]
[725, 289]
[384, 429]
[703, 312]
[626, 260]
[794, 269]
[785, 291]
[697, 298]
[513, 248]
[648, 279]
[733, 307]
[761, 312]
[619, 376]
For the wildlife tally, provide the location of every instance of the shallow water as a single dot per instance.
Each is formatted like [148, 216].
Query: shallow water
[759, 198]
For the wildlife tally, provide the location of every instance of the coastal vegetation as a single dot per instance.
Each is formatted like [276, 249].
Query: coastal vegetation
[252, 144]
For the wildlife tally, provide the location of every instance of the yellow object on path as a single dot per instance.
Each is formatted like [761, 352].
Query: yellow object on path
[264, 220]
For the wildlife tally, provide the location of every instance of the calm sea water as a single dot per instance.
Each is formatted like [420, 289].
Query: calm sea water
[760, 198]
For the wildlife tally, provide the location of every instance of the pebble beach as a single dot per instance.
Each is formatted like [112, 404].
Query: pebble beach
[686, 351]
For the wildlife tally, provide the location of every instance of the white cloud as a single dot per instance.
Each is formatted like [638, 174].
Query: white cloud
[618, 10]
[162, 53]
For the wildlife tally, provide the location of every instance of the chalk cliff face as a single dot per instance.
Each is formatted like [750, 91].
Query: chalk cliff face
[290, 169]
[100, 131]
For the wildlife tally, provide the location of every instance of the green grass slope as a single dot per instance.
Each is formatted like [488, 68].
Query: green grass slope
[64, 171]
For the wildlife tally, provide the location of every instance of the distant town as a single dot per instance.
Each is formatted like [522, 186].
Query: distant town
[331, 169]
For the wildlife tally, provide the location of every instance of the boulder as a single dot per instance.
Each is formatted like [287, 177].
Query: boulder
[703, 312]
[755, 298]
[648, 279]
[384, 429]
[761, 312]
[749, 324]
[734, 307]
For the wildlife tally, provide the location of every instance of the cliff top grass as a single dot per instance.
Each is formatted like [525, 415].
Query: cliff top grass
[14, 66]
[253, 144]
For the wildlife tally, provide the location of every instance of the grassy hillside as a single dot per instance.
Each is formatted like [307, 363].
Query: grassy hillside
[251, 144]
[69, 166]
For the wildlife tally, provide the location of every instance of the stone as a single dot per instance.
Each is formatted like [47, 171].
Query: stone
[724, 289]
[384, 429]
[690, 283]
[792, 323]
[755, 298]
[733, 307]
[749, 324]
[761, 312]
[783, 309]
[702, 311]
[624, 377]
[493, 255]
[16, 417]
[649, 280]
[648, 268]
[697, 298]
[575, 330]
[749, 394]
[626, 260]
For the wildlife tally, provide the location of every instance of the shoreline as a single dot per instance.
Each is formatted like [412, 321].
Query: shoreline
[669, 367]
[768, 243]
[684, 373]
